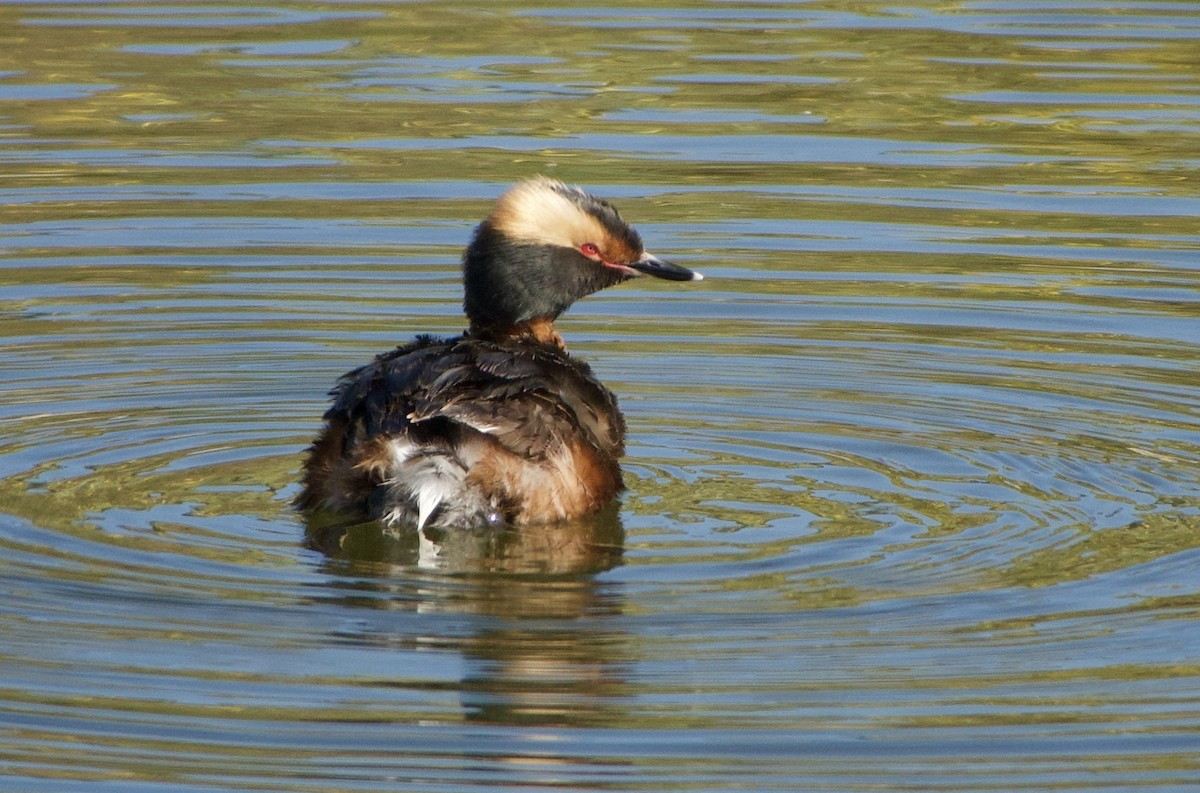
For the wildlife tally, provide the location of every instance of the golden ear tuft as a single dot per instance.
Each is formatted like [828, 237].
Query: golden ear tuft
[541, 211]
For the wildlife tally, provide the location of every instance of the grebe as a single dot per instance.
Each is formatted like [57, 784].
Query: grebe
[498, 427]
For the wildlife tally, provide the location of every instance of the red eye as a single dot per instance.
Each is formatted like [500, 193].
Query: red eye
[589, 250]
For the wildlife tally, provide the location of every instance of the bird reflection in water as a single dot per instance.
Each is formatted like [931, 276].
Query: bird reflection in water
[542, 650]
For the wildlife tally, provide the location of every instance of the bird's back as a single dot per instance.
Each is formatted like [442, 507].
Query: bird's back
[468, 431]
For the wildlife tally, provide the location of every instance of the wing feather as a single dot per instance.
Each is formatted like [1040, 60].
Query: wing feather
[532, 400]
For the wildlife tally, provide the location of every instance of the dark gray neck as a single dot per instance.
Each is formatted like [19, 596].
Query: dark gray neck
[507, 282]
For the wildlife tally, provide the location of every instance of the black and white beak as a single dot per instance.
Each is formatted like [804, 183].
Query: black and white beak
[652, 265]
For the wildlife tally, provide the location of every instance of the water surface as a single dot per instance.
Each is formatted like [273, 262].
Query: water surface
[914, 475]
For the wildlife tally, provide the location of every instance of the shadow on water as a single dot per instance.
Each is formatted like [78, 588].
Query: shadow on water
[589, 545]
[529, 658]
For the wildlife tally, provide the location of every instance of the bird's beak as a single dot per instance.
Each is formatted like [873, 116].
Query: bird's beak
[652, 265]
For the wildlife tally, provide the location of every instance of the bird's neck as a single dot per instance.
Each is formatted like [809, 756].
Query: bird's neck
[538, 329]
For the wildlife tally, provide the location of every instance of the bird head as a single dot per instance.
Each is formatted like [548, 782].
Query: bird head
[544, 246]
